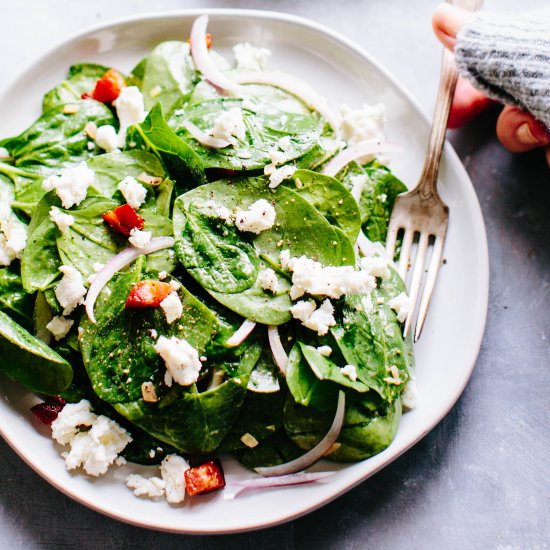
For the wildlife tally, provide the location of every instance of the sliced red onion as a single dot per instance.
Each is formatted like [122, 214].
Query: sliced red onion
[240, 335]
[118, 262]
[315, 454]
[364, 244]
[279, 353]
[280, 481]
[204, 138]
[353, 152]
[201, 57]
[295, 86]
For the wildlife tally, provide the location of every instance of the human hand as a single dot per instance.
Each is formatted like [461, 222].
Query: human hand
[517, 130]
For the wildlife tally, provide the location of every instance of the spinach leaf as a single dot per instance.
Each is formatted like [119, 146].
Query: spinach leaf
[369, 336]
[119, 352]
[168, 74]
[154, 135]
[29, 361]
[195, 422]
[81, 78]
[264, 378]
[13, 299]
[264, 129]
[331, 198]
[364, 433]
[276, 449]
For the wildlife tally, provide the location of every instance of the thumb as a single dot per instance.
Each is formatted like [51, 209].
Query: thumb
[447, 21]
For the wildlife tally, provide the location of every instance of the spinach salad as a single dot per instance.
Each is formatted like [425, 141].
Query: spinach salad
[193, 265]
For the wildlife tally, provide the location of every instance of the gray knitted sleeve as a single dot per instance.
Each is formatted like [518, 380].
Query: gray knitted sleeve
[508, 58]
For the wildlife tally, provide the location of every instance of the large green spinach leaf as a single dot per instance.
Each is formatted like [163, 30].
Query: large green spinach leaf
[13, 299]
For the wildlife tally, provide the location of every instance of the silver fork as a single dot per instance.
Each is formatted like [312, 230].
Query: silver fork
[420, 214]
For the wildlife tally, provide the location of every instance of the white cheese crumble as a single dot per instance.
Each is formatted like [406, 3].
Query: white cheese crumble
[278, 175]
[317, 319]
[181, 358]
[163, 275]
[70, 418]
[284, 143]
[70, 291]
[284, 258]
[250, 58]
[409, 396]
[95, 450]
[401, 304]
[172, 469]
[350, 371]
[71, 185]
[152, 487]
[269, 281]
[325, 351]
[133, 192]
[172, 307]
[229, 125]
[311, 277]
[363, 124]
[13, 239]
[130, 108]
[59, 326]
[259, 217]
[377, 266]
[106, 137]
[62, 220]
[139, 238]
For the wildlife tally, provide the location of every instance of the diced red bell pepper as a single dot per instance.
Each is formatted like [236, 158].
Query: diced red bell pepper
[48, 410]
[123, 219]
[208, 40]
[205, 478]
[148, 294]
[108, 87]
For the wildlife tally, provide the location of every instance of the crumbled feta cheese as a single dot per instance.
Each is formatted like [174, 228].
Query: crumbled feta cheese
[269, 281]
[96, 449]
[284, 258]
[409, 396]
[133, 192]
[357, 185]
[62, 220]
[70, 418]
[181, 359]
[152, 487]
[148, 392]
[106, 138]
[139, 238]
[382, 197]
[377, 266]
[130, 107]
[259, 217]
[13, 239]
[350, 371]
[59, 326]
[284, 143]
[71, 185]
[325, 351]
[154, 333]
[172, 307]
[277, 176]
[319, 319]
[172, 469]
[363, 124]
[311, 277]
[229, 125]
[250, 58]
[219, 210]
[70, 291]
[4, 153]
[401, 304]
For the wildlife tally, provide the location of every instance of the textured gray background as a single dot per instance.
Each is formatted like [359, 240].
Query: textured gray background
[480, 479]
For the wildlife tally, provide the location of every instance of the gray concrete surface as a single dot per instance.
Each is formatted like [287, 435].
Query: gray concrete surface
[480, 479]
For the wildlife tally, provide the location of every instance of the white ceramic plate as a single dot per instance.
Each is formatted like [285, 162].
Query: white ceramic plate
[448, 349]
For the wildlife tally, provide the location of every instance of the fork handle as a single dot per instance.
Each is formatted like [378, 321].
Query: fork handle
[427, 186]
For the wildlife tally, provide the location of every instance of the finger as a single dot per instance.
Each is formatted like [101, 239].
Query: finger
[467, 104]
[447, 21]
[519, 131]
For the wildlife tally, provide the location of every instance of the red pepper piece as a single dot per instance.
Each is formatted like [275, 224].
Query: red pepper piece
[123, 219]
[108, 87]
[48, 410]
[205, 478]
[148, 294]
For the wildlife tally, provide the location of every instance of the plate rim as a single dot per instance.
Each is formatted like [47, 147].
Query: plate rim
[482, 267]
